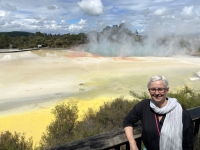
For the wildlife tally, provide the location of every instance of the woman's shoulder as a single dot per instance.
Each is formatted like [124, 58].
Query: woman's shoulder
[185, 112]
[144, 103]
[187, 120]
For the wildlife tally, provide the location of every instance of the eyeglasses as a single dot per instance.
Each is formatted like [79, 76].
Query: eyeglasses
[160, 90]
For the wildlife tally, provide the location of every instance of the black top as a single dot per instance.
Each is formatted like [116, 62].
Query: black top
[150, 137]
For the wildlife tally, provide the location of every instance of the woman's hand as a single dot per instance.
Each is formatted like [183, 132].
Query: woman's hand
[133, 146]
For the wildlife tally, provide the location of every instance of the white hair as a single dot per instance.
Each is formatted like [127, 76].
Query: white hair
[157, 78]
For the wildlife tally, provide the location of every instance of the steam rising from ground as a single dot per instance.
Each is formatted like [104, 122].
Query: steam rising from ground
[120, 41]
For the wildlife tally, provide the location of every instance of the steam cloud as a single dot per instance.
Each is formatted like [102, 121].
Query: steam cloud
[120, 41]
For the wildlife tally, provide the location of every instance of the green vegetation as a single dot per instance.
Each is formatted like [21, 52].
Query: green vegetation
[23, 40]
[66, 127]
[16, 141]
[187, 97]
[63, 128]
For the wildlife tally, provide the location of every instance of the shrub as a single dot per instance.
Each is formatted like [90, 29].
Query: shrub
[109, 116]
[66, 128]
[16, 141]
[187, 97]
[62, 129]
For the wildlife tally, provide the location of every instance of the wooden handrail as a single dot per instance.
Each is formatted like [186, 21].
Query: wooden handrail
[116, 138]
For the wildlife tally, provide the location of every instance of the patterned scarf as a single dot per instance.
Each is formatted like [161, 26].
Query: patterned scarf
[172, 129]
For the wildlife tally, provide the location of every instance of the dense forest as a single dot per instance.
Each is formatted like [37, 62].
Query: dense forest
[23, 40]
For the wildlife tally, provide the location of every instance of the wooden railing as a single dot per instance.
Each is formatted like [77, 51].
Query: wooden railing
[116, 139]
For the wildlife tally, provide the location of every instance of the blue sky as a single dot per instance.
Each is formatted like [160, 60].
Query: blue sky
[75, 16]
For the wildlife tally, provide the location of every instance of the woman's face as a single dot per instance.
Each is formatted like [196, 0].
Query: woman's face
[158, 92]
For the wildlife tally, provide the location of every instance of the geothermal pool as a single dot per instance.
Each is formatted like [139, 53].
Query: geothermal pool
[32, 82]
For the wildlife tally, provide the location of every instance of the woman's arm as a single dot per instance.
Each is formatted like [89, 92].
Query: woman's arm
[132, 117]
[129, 134]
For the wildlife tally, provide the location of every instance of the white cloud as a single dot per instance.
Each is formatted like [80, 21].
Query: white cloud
[74, 27]
[161, 11]
[63, 22]
[91, 7]
[188, 12]
[82, 22]
[77, 27]
[2, 13]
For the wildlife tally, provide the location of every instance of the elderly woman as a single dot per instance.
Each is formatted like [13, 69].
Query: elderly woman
[166, 125]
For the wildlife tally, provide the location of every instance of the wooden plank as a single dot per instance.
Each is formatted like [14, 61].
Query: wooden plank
[100, 141]
[194, 113]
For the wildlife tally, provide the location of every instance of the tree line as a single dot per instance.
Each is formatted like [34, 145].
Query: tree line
[24, 40]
